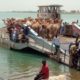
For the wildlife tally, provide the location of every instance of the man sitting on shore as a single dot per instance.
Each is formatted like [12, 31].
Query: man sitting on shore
[44, 72]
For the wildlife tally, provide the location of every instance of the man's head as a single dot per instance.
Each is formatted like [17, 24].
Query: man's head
[44, 62]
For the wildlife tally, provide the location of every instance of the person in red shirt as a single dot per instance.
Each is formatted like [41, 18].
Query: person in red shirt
[44, 72]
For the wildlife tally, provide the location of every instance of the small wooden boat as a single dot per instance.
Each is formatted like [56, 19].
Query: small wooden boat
[72, 30]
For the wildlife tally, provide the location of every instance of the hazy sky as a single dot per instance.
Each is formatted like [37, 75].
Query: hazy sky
[21, 5]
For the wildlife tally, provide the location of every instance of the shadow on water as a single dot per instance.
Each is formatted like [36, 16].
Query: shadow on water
[30, 51]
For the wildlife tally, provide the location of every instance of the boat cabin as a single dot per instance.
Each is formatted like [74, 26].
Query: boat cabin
[49, 11]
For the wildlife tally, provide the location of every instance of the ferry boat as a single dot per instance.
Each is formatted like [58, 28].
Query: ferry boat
[40, 44]
[49, 11]
[53, 12]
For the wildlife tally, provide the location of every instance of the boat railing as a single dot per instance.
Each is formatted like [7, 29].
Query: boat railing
[48, 47]
[42, 43]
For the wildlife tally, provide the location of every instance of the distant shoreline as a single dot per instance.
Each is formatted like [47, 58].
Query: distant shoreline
[36, 12]
[20, 11]
[70, 12]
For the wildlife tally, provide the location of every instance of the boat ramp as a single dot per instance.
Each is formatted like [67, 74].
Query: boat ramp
[36, 43]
